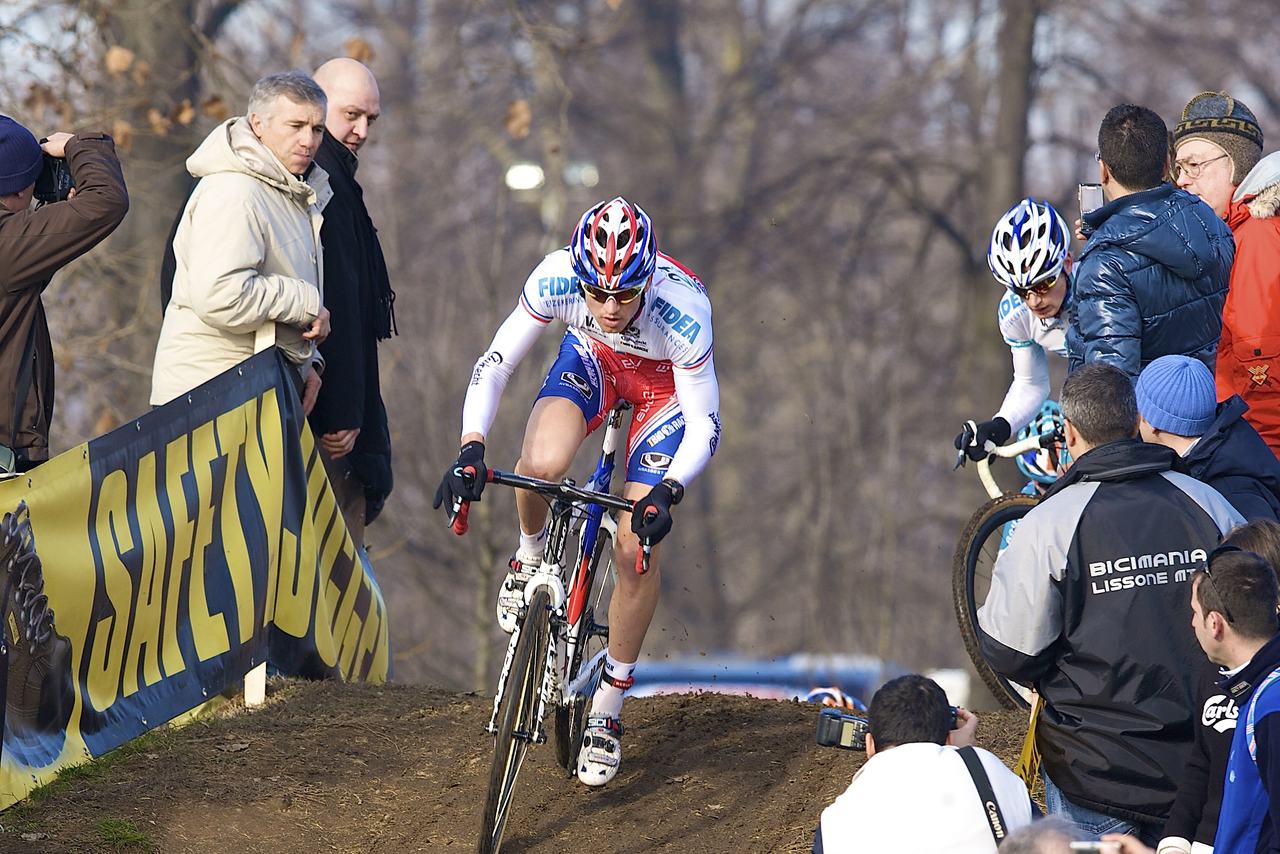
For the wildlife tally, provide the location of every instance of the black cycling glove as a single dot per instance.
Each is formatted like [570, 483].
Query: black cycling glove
[651, 517]
[997, 430]
[456, 485]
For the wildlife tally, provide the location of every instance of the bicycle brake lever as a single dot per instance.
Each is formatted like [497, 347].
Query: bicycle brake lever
[643, 557]
[458, 518]
[461, 507]
[968, 432]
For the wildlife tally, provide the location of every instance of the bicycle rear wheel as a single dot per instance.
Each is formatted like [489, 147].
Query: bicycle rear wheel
[983, 539]
[519, 718]
[572, 709]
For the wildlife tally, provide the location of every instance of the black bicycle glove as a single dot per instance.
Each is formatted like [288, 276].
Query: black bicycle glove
[997, 431]
[458, 483]
[651, 517]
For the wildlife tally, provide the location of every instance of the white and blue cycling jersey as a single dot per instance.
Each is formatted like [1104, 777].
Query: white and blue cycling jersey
[661, 362]
[1030, 340]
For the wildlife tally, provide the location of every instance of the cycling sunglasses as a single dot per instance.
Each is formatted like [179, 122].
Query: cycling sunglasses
[1040, 289]
[627, 295]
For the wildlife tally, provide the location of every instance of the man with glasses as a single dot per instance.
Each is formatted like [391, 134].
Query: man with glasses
[1219, 158]
[1088, 605]
[1152, 277]
[1028, 255]
[640, 331]
[1233, 614]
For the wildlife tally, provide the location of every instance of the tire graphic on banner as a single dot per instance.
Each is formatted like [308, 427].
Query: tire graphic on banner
[38, 695]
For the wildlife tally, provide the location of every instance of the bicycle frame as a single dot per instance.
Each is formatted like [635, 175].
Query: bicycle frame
[567, 605]
[596, 519]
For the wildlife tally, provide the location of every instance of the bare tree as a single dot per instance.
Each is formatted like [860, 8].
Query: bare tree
[831, 169]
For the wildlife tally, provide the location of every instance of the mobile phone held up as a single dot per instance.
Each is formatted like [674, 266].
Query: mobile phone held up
[1090, 197]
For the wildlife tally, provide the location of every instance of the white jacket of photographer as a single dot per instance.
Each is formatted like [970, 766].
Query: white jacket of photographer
[918, 798]
[249, 263]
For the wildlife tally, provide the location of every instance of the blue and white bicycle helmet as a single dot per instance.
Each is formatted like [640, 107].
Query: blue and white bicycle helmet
[614, 247]
[1028, 245]
[833, 698]
[1043, 465]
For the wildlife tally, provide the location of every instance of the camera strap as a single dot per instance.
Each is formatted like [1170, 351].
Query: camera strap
[990, 806]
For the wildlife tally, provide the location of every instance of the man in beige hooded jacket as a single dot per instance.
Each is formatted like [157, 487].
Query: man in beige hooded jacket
[247, 247]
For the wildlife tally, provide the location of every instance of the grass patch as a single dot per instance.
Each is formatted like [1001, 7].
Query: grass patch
[20, 816]
[123, 835]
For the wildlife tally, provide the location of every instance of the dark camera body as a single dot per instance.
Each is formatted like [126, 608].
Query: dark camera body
[849, 732]
[54, 183]
[841, 729]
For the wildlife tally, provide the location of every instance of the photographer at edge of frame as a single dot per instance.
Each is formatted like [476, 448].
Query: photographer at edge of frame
[38, 237]
[915, 793]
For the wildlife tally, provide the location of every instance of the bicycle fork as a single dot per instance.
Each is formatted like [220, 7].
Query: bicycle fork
[548, 576]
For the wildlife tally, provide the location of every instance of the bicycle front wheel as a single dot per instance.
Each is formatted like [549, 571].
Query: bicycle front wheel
[984, 538]
[519, 718]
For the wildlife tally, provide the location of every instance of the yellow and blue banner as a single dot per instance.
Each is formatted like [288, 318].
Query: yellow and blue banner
[175, 554]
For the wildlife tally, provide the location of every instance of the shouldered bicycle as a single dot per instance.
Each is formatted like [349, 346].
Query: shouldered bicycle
[987, 533]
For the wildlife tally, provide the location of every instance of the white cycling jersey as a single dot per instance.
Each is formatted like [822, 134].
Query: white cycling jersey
[672, 326]
[1030, 339]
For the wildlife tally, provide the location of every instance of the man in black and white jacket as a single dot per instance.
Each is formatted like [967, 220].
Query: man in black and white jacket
[1089, 604]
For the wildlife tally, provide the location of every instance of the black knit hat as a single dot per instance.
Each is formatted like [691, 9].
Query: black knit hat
[1218, 118]
[20, 160]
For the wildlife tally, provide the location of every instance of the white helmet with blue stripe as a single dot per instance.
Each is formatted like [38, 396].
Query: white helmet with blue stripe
[1028, 245]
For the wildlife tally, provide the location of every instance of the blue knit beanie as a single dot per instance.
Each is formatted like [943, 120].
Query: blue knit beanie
[20, 160]
[1176, 394]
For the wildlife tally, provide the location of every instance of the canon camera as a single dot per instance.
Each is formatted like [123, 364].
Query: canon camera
[849, 731]
[54, 183]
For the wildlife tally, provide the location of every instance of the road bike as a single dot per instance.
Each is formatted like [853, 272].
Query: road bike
[985, 537]
[556, 653]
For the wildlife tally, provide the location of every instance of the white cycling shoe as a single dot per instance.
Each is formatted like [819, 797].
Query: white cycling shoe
[601, 752]
[511, 593]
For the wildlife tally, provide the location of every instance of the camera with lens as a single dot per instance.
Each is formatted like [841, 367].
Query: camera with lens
[54, 183]
[849, 731]
[842, 729]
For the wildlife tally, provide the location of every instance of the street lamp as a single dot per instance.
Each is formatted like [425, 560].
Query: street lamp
[525, 176]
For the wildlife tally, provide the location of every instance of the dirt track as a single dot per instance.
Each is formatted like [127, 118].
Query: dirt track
[332, 767]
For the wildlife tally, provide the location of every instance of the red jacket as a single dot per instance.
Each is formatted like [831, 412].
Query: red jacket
[1249, 350]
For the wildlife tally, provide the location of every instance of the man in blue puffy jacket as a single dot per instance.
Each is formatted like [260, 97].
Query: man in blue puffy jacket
[1152, 278]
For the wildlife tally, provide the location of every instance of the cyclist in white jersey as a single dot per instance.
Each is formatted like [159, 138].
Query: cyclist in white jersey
[1028, 255]
[639, 329]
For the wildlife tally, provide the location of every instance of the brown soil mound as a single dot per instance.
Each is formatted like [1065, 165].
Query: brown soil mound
[332, 767]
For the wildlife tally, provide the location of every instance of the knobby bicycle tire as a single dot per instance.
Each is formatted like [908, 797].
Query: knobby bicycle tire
[975, 554]
[519, 710]
[571, 712]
